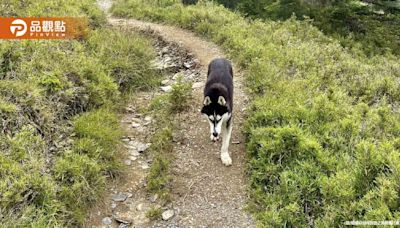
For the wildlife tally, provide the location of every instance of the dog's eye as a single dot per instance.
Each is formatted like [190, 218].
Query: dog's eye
[218, 117]
[211, 118]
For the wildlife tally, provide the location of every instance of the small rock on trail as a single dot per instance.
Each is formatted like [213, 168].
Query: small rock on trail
[166, 89]
[119, 197]
[166, 215]
[106, 221]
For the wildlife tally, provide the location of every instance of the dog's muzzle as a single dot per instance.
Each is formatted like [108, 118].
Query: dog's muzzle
[214, 137]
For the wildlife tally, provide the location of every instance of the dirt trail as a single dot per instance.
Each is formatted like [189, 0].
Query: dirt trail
[205, 193]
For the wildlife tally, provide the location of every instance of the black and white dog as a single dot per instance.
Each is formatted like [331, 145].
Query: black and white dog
[218, 104]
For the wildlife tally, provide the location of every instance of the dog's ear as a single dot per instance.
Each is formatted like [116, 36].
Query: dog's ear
[207, 101]
[221, 101]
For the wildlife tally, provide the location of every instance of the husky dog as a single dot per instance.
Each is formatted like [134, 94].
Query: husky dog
[218, 104]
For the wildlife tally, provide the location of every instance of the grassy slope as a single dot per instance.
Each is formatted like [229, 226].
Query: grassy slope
[59, 129]
[352, 22]
[323, 129]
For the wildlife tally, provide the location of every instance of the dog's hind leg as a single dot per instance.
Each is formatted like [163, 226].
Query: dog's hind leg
[226, 138]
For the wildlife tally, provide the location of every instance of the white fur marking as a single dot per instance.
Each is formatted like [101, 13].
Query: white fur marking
[221, 101]
[207, 101]
[225, 158]
[211, 118]
[211, 128]
[218, 126]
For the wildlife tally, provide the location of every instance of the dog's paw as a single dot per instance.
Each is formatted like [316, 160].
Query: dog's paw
[226, 159]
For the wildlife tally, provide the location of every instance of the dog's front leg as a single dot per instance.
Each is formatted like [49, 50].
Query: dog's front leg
[226, 138]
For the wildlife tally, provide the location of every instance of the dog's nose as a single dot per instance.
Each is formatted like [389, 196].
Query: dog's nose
[215, 134]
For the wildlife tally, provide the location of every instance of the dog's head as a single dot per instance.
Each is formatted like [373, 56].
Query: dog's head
[217, 112]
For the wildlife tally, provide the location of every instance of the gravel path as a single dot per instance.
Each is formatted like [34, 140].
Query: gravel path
[205, 193]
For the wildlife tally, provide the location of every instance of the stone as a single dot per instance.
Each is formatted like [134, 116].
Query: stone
[134, 153]
[164, 50]
[119, 197]
[135, 125]
[171, 67]
[142, 147]
[133, 158]
[158, 65]
[106, 221]
[187, 65]
[123, 220]
[166, 215]
[128, 162]
[197, 85]
[123, 225]
[190, 77]
[167, 59]
[165, 82]
[166, 89]
[145, 166]
[148, 118]
[123, 217]
[129, 147]
[153, 198]
[129, 195]
[136, 119]
[139, 207]
[133, 143]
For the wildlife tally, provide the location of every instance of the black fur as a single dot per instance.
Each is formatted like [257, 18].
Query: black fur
[219, 83]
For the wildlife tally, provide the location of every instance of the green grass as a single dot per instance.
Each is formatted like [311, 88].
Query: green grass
[352, 22]
[59, 104]
[323, 128]
[126, 56]
[159, 176]
[165, 107]
[180, 96]
[154, 213]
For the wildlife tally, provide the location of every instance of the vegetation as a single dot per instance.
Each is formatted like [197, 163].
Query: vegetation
[126, 60]
[154, 213]
[180, 96]
[370, 25]
[164, 108]
[58, 125]
[323, 129]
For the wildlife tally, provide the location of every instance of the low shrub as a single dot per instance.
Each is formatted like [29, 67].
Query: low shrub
[180, 96]
[323, 126]
[127, 58]
[59, 130]
[165, 107]
[154, 213]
